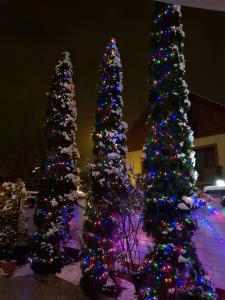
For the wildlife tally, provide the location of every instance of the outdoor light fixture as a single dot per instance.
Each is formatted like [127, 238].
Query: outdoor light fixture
[220, 182]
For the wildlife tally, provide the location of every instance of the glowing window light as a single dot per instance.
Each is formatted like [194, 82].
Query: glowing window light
[220, 182]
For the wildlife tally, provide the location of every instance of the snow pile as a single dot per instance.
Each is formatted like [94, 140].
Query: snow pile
[71, 273]
[22, 271]
[128, 292]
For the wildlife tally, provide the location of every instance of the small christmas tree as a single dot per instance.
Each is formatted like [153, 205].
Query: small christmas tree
[108, 177]
[172, 269]
[60, 176]
[12, 196]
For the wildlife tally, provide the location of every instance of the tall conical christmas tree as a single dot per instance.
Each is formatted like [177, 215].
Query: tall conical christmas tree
[60, 175]
[108, 178]
[172, 269]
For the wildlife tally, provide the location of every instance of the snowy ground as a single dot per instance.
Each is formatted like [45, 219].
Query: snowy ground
[129, 291]
[210, 240]
[64, 286]
[21, 271]
[24, 286]
[72, 273]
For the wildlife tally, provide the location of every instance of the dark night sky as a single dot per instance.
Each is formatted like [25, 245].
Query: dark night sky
[33, 33]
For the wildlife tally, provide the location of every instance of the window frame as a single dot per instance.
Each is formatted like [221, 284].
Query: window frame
[215, 147]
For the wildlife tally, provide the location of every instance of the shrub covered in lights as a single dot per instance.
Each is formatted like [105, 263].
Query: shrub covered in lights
[172, 269]
[12, 197]
[60, 176]
[108, 179]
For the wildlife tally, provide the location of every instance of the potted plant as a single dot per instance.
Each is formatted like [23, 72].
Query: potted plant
[11, 197]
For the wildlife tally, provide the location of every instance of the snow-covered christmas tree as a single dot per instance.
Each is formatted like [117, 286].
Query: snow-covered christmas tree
[60, 174]
[109, 179]
[172, 269]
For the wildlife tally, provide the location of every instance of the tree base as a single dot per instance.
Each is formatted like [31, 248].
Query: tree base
[97, 292]
[42, 268]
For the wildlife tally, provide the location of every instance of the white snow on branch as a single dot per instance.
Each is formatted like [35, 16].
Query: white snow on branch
[182, 259]
[188, 200]
[183, 206]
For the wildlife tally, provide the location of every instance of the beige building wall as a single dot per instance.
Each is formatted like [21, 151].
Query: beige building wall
[135, 156]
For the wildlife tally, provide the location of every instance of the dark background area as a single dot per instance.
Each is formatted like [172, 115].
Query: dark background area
[33, 34]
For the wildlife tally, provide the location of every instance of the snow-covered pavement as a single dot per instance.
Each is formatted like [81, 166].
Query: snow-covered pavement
[23, 285]
[210, 240]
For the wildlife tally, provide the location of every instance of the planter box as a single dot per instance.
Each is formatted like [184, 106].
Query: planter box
[8, 267]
